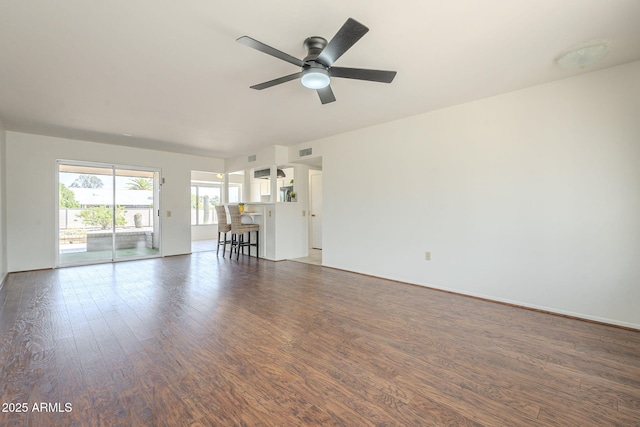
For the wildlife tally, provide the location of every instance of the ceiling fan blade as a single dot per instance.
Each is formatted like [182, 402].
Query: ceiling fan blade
[274, 82]
[326, 95]
[363, 74]
[255, 44]
[347, 36]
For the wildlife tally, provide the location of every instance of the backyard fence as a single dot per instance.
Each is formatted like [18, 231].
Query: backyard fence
[70, 219]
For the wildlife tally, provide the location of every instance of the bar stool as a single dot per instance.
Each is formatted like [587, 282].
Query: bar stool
[223, 229]
[238, 229]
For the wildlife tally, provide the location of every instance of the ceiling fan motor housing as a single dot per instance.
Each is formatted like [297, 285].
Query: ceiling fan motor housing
[315, 75]
[314, 46]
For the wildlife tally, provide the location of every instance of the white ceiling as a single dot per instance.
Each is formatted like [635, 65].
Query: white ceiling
[171, 74]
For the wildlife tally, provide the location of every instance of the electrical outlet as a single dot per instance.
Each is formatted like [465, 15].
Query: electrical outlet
[427, 256]
[168, 214]
[304, 213]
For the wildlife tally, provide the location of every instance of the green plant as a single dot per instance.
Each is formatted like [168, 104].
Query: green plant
[102, 216]
[67, 198]
[140, 184]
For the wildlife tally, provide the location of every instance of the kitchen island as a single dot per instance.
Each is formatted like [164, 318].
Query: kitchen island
[283, 229]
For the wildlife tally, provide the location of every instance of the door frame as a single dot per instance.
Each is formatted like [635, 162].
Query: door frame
[312, 211]
[157, 207]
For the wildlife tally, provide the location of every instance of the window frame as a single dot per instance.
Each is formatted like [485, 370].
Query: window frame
[197, 186]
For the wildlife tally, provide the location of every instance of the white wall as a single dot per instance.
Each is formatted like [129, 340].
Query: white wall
[531, 197]
[265, 157]
[30, 174]
[204, 232]
[3, 205]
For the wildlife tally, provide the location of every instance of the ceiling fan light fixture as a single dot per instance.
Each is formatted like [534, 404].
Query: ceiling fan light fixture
[317, 67]
[315, 78]
[584, 55]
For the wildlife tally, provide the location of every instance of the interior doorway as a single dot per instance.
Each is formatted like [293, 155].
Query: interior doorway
[315, 208]
[106, 213]
[207, 191]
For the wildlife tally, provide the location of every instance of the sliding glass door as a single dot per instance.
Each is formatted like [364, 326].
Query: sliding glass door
[137, 222]
[106, 213]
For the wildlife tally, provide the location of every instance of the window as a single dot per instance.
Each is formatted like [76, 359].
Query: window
[204, 198]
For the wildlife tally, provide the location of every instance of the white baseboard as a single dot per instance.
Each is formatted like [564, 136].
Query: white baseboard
[524, 305]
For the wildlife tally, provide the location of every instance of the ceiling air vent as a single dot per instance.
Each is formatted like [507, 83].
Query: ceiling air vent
[305, 152]
[251, 158]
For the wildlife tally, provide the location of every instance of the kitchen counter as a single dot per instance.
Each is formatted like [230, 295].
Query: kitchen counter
[283, 229]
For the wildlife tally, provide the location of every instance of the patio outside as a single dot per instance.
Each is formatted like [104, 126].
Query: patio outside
[90, 229]
[80, 243]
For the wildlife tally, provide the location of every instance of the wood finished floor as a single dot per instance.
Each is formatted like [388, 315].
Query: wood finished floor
[205, 341]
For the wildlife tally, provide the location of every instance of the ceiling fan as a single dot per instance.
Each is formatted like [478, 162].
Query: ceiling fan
[317, 66]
